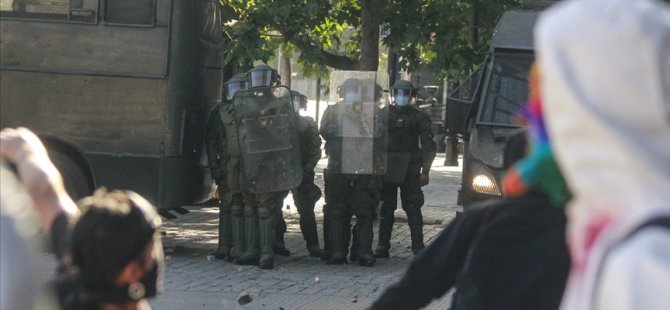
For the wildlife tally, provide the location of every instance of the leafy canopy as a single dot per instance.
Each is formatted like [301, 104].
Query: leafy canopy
[344, 34]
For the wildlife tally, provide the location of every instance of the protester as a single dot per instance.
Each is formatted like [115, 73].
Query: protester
[606, 74]
[18, 280]
[110, 252]
[502, 254]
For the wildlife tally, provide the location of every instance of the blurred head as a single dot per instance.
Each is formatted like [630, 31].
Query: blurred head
[262, 76]
[299, 101]
[115, 246]
[403, 93]
[237, 83]
[370, 91]
[350, 90]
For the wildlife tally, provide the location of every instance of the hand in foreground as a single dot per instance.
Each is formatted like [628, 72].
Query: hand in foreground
[38, 174]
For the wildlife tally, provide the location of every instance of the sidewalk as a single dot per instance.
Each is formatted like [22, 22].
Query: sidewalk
[195, 281]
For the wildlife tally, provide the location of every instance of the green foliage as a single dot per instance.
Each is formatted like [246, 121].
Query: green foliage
[433, 34]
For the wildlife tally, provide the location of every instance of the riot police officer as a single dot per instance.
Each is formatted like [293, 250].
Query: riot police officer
[271, 165]
[353, 131]
[222, 150]
[411, 151]
[307, 193]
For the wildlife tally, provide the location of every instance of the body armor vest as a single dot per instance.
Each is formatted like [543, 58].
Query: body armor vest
[403, 130]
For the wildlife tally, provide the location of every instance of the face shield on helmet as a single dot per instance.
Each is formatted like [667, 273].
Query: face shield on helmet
[234, 87]
[262, 78]
[402, 97]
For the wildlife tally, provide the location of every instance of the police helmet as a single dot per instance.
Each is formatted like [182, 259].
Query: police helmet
[403, 92]
[262, 76]
[350, 90]
[236, 83]
[299, 100]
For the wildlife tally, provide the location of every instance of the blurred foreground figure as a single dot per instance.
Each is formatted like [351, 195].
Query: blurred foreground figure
[508, 253]
[110, 253]
[606, 75]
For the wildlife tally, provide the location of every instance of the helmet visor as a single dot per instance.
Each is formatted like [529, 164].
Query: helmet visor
[261, 78]
[402, 92]
[232, 88]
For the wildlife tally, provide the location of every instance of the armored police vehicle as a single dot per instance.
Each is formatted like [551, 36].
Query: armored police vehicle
[119, 90]
[483, 108]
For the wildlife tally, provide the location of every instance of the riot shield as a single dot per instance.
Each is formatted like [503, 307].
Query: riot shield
[268, 139]
[360, 133]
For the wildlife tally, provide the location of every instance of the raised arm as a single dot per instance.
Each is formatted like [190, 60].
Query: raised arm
[42, 180]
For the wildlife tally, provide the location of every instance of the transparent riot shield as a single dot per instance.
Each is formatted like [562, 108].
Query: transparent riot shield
[359, 124]
[268, 139]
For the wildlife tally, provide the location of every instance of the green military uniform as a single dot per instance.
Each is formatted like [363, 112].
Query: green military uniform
[411, 151]
[253, 107]
[224, 158]
[347, 194]
[307, 193]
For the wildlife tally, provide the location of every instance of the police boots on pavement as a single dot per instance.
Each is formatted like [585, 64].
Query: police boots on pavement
[353, 131]
[411, 151]
[221, 143]
[271, 165]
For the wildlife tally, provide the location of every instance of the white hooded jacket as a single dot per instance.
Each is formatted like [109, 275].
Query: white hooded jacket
[605, 70]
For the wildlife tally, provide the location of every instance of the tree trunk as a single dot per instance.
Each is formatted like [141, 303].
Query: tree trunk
[285, 69]
[369, 60]
[369, 44]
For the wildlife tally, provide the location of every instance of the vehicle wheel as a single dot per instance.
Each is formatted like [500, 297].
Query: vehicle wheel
[75, 177]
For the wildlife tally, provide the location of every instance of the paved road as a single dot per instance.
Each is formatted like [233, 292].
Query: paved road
[195, 281]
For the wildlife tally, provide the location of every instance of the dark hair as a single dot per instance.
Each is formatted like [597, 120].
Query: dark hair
[112, 230]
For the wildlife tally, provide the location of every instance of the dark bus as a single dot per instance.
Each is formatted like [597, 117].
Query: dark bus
[119, 90]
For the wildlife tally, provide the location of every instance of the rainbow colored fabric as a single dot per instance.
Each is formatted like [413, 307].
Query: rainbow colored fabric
[538, 169]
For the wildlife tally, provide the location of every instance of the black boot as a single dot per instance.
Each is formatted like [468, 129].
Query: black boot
[251, 251]
[415, 221]
[266, 236]
[386, 219]
[365, 237]
[280, 226]
[237, 232]
[310, 233]
[336, 232]
[224, 244]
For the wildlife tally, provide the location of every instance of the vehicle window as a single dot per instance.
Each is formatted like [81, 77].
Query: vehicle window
[507, 90]
[60, 10]
[130, 12]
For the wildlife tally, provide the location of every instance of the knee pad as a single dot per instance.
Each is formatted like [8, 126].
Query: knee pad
[264, 213]
[248, 211]
[237, 210]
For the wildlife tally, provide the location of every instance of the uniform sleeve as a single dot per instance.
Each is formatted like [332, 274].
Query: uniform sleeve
[314, 140]
[325, 122]
[433, 272]
[428, 146]
[212, 144]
